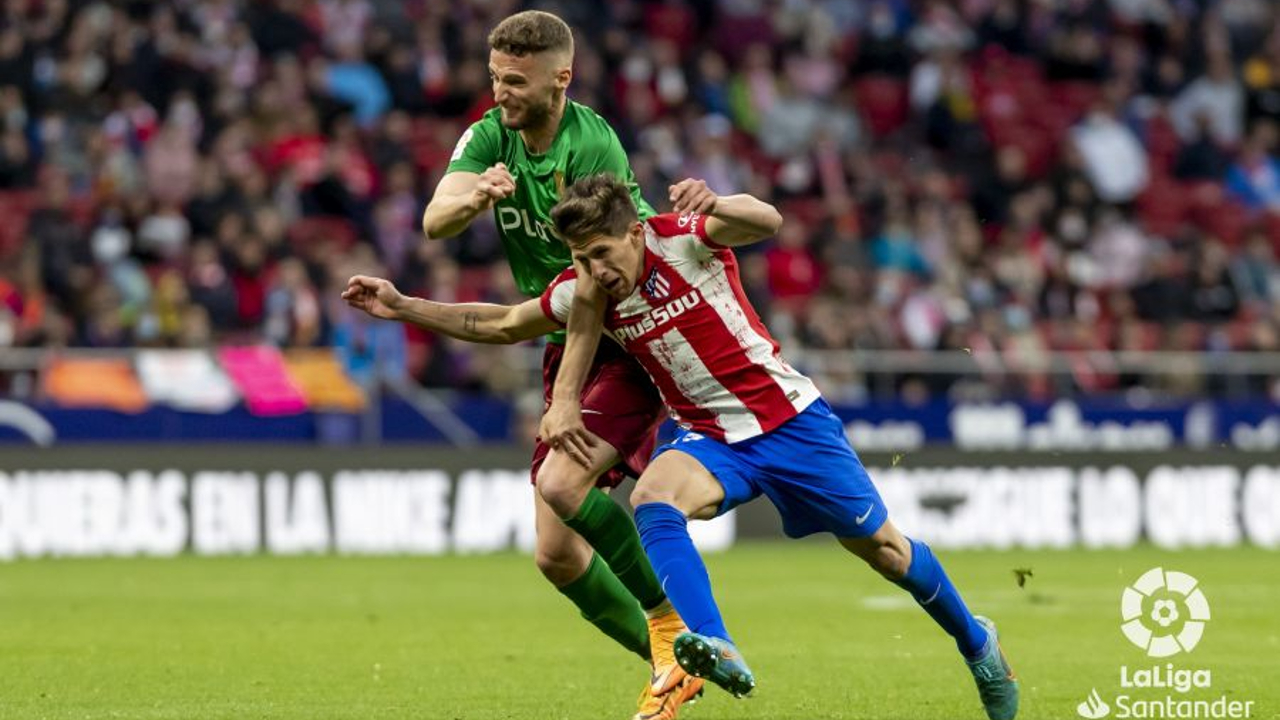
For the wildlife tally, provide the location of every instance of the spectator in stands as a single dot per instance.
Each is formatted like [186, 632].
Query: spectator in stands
[1262, 81]
[1217, 96]
[1201, 157]
[1254, 179]
[1255, 272]
[1114, 159]
[984, 175]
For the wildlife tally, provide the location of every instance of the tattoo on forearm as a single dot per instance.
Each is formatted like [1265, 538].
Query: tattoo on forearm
[469, 321]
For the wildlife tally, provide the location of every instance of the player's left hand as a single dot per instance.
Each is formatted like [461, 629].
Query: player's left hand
[562, 429]
[693, 196]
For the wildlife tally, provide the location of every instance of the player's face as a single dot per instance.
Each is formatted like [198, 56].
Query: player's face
[615, 263]
[526, 88]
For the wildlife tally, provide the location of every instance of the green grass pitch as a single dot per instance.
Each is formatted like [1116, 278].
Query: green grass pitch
[485, 637]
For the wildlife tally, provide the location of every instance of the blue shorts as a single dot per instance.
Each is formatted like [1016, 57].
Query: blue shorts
[806, 468]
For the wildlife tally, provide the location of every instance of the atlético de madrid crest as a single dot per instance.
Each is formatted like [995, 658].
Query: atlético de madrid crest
[656, 286]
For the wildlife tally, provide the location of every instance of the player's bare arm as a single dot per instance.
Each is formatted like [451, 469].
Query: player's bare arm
[472, 322]
[732, 220]
[562, 427]
[462, 196]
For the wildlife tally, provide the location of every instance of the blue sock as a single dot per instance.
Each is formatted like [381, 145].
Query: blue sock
[664, 531]
[929, 585]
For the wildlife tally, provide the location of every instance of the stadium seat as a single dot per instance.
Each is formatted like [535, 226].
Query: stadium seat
[882, 100]
[15, 211]
[319, 229]
[1076, 96]
[1271, 222]
[1164, 206]
[1163, 144]
[1219, 216]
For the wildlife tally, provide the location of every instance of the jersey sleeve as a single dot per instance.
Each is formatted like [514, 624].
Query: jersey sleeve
[684, 235]
[603, 153]
[557, 299]
[477, 149]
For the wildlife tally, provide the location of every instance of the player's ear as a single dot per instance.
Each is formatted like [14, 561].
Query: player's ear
[563, 75]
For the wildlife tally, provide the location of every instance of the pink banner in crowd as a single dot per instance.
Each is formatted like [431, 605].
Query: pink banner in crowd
[262, 378]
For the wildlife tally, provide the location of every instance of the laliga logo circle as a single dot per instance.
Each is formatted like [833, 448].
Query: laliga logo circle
[1164, 613]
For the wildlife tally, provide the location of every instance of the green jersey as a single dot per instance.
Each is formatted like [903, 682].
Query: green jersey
[584, 145]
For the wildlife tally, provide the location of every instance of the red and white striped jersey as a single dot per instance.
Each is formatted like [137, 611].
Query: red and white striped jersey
[690, 325]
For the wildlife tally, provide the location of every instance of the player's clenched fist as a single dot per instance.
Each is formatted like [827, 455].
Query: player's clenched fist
[375, 296]
[495, 184]
[693, 196]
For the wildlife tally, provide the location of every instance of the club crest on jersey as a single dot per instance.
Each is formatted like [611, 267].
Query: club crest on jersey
[656, 286]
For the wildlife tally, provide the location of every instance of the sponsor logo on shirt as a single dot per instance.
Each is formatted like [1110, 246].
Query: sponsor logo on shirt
[659, 316]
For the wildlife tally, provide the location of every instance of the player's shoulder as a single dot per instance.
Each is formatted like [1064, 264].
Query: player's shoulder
[491, 119]
[490, 127]
[480, 144]
[588, 124]
[569, 274]
[557, 299]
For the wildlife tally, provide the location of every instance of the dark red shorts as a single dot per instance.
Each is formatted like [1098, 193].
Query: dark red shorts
[619, 404]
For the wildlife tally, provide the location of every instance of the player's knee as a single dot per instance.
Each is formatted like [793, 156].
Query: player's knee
[646, 492]
[563, 487]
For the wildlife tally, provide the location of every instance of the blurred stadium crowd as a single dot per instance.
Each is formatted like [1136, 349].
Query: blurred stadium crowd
[1003, 177]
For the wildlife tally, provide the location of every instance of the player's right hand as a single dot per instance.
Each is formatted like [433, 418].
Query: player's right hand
[376, 296]
[562, 429]
[494, 184]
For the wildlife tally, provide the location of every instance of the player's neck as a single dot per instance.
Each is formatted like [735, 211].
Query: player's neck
[538, 140]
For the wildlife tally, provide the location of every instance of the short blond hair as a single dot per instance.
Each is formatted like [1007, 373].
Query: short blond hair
[531, 32]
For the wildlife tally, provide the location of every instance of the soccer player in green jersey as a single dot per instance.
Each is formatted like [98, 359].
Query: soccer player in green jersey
[515, 161]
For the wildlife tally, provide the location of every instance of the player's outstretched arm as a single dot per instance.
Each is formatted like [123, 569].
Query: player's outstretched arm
[731, 219]
[473, 322]
[461, 196]
[562, 426]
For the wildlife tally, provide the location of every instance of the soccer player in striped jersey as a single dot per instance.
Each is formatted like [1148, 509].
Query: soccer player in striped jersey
[667, 289]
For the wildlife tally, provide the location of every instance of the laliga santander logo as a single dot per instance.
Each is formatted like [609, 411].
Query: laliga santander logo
[1164, 612]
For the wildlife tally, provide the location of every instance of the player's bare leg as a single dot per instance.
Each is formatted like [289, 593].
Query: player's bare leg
[911, 565]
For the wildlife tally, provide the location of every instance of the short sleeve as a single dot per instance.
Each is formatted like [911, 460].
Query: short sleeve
[673, 225]
[557, 299]
[684, 235]
[477, 149]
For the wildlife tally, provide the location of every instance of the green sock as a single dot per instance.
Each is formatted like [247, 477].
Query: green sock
[605, 603]
[608, 529]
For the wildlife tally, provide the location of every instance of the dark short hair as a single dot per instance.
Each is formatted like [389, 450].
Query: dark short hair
[596, 205]
[530, 32]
